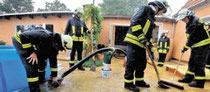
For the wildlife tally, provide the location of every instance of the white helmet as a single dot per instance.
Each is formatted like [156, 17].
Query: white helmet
[207, 23]
[66, 41]
[79, 10]
[184, 13]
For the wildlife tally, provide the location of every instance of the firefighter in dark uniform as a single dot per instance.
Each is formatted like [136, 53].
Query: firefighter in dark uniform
[76, 28]
[198, 40]
[139, 34]
[33, 46]
[163, 48]
[208, 59]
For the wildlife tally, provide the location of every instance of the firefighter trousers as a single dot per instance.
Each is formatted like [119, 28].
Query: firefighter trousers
[197, 62]
[77, 47]
[136, 64]
[208, 59]
[162, 57]
[43, 64]
[31, 70]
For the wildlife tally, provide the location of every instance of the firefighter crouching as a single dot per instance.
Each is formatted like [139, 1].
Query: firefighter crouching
[33, 47]
[198, 40]
[139, 34]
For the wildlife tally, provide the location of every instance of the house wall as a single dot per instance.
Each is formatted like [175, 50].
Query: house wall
[108, 27]
[8, 26]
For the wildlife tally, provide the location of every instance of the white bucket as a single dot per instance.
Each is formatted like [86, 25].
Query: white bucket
[106, 73]
[106, 66]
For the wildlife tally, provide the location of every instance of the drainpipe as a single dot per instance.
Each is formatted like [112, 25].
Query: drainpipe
[173, 29]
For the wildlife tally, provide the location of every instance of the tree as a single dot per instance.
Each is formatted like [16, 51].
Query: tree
[93, 13]
[54, 6]
[16, 6]
[121, 7]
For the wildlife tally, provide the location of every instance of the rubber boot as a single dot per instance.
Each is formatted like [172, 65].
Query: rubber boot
[131, 87]
[70, 65]
[41, 77]
[160, 65]
[81, 68]
[142, 84]
[36, 90]
[187, 79]
[34, 87]
[197, 84]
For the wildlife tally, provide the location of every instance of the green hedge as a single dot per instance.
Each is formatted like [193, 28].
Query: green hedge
[2, 42]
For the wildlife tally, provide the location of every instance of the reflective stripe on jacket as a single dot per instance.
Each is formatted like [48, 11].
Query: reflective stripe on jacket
[142, 24]
[76, 29]
[197, 34]
[163, 45]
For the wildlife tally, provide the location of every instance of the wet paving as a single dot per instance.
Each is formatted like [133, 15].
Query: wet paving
[88, 81]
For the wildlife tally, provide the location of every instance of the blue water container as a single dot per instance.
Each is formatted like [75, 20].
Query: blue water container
[12, 72]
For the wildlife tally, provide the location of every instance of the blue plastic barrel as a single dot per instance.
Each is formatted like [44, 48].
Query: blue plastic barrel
[12, 72]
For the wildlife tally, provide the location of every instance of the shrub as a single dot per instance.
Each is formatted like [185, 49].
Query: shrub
[2, 42]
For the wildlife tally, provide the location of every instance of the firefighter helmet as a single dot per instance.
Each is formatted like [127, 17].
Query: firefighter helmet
[66, 41]
[184, 13]
[161, 4]
[207, 23]
[79, 10]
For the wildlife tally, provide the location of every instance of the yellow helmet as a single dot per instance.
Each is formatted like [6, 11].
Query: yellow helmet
[66, 41]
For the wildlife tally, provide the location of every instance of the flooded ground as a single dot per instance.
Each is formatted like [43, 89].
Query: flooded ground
[88, 81]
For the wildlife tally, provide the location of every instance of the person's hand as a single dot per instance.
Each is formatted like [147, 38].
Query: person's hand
[91, 30]
[55, 79]
[33, 58]
[143, 41]
[184, 49]
[55, 82]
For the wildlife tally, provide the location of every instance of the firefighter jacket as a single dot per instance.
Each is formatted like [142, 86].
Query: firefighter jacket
[38, 40]
[163, 45]
[76, 29]
[197, 34]
[142, 24]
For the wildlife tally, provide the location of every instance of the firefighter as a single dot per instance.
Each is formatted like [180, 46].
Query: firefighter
[208, 59]
[198, 40]
[163, 48]
[77, 29]
[33, 45]
[139, 34]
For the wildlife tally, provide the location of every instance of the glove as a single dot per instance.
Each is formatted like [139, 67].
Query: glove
[52, 83]
[55, 84]
[143, 40]
[184, 49]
